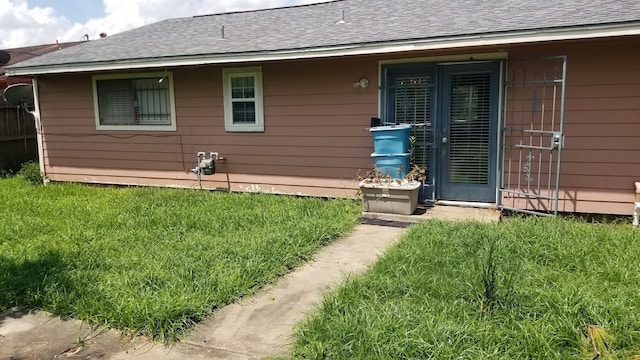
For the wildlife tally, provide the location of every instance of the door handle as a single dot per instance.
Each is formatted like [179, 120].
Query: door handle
[444, 140]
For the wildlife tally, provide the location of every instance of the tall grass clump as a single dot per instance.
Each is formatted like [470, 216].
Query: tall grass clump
[489, 277]
[30, 171]
[152, 261]
[529, 288]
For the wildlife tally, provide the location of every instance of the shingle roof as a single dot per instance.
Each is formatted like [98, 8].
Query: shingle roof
[318, 26]
[29, 52]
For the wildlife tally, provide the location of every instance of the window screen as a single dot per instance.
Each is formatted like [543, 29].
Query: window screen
[133, 101]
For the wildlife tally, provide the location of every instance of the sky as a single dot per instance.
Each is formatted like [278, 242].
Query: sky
[38, 22]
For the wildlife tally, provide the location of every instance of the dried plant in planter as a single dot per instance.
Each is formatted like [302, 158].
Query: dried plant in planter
[417, 173]
[372, 176]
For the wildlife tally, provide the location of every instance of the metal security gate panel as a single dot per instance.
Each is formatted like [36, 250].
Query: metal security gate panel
[532, 135]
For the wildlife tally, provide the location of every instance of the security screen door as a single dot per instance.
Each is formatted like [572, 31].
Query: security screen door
[454, 113]
[533, 135]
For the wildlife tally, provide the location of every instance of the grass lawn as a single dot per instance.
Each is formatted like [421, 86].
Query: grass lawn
[151, 261]
[525, 289]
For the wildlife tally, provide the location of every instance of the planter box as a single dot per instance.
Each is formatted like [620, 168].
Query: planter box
[390, 198]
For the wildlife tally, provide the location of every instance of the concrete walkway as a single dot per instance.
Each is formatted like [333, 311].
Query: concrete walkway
[255, 328]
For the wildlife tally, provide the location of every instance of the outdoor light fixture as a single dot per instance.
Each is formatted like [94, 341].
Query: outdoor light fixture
[164, 76]
[363, 83]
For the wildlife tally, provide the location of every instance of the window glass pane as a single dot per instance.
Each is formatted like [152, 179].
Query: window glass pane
[412, 105]
[242, 81]
[133, 102]
[469, 133]
[243, 87]
[237, 93]
[236, 82]
[115, 102]
[244, 112]
[152, 102]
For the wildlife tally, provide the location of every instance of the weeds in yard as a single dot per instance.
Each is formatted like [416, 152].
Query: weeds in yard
[30, 171]
[545, 278]
[600, 342]
[151, 261]
[489, 277]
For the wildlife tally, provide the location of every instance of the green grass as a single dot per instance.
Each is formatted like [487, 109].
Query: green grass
[525, 289]
[151, 261]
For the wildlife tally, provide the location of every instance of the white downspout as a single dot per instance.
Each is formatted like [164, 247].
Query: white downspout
[636, 212]
[36, 116]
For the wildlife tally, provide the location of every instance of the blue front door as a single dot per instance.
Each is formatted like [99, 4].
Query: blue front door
[454, 113]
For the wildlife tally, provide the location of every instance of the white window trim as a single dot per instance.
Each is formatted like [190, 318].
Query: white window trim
[168, 76]
[229, 73]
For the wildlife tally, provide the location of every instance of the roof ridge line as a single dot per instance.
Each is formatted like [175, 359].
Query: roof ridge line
[269, 9]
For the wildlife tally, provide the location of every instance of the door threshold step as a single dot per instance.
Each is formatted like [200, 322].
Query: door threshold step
[438, 212]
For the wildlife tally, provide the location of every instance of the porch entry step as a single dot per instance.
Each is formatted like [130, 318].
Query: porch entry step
[438, 212]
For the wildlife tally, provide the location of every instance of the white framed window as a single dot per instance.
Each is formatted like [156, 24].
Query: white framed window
[243, 105]
[142, 101]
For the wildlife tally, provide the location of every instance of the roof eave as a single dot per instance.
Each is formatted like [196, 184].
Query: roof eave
[505, 38]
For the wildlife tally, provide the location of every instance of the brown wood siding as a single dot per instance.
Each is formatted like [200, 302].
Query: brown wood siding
[315, 137]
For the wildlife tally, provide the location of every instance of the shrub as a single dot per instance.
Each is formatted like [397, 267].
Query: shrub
[4, 173]
[30, 171]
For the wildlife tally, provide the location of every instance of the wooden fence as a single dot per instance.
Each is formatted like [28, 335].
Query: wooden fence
[17, 138]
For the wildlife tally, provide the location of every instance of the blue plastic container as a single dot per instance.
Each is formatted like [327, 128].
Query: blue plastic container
[394, 165]
[392, 139]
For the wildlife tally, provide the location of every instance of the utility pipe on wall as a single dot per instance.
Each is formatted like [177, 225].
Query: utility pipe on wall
[636, 211]
[36, 116]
